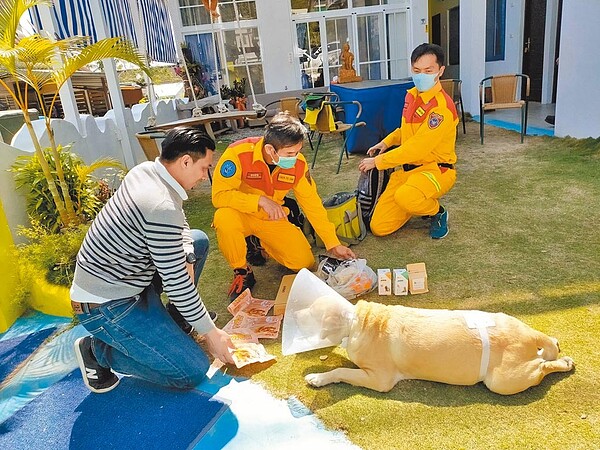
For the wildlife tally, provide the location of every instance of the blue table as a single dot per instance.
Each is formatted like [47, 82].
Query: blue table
[382, 103]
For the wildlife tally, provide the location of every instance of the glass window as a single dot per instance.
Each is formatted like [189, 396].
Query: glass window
[337, 35]
[306, 6]
[309, 54]
[194, 13]
[369, 48]
[357, 3]
[245, 9]
[243, 47]
[495, 25]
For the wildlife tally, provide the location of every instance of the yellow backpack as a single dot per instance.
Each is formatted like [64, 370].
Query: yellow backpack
[343, 211]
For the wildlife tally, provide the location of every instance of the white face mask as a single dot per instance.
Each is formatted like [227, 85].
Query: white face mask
[424, 81]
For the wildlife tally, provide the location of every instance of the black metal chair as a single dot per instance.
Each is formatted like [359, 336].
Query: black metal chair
[504, 91]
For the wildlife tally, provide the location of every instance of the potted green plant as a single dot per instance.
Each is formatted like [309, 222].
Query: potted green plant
[47, 262]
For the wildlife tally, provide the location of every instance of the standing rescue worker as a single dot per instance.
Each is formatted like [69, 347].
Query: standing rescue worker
[425, 152]
[249, 185]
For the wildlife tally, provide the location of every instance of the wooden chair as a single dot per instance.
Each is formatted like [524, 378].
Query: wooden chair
[290, 104]
[453, 88]
[147, 140]
[504, 95]
[331, 109]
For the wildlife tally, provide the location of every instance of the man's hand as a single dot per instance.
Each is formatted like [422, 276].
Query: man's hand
[219, 343]
[273, 209]
[190, 270]
[342, 252]
[377, 148]
[366, 164]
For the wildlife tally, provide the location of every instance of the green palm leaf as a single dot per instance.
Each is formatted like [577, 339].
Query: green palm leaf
[11, 12]
[106, 48]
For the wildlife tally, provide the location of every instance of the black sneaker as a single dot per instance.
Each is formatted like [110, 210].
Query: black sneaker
[255, 253]
[242, 279]
[98, 379]
[179, 319]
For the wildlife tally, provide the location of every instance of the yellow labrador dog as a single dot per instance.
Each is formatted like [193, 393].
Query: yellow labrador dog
[393, 343]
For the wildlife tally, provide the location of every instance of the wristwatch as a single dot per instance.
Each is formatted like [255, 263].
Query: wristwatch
[190, 258]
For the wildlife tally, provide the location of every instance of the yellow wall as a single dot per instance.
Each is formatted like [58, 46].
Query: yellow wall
[10, 310]
[440, 7]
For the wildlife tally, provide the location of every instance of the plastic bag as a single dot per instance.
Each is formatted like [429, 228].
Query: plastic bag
[349, 278]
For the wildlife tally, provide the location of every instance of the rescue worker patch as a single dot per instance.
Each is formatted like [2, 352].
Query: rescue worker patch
[228, 169]
[254, 176]
[285, 178]
[420, 111]
[435, 120]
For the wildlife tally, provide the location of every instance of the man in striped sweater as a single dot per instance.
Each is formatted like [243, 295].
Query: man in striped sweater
[139, 244]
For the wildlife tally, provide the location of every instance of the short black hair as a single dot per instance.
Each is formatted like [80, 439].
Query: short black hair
[186, 141]
[284, 130]
[428, 49]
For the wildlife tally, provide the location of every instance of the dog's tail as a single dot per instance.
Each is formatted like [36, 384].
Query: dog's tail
[547, 347]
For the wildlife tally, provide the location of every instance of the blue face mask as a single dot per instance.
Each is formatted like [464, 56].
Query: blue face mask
[286, 162]
[424, 81]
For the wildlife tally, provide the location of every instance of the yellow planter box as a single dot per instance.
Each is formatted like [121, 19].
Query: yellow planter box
[10, 309]
[50, 298]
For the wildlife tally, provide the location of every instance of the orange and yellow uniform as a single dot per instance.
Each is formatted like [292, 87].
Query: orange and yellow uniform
[241, 177]
[426, 154]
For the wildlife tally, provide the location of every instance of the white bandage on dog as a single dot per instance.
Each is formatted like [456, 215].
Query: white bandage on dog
[481, 321]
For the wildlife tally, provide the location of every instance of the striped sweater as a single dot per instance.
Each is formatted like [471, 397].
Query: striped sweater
[142, 229]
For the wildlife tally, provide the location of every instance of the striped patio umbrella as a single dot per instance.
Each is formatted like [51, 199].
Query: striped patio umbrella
[74, 18]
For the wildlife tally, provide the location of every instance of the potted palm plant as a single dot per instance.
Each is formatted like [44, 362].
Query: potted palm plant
[39, 62]
[236, 94]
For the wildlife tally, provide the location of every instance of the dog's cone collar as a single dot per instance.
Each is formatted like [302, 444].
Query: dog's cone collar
[303, 324]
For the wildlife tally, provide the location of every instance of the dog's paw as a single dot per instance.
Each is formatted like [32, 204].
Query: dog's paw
[569, 361]
[316, 379]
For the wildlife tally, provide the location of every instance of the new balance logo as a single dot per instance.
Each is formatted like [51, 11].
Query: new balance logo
[91, 373]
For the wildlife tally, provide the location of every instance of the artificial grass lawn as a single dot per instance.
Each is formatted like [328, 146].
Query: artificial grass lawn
[523, 240]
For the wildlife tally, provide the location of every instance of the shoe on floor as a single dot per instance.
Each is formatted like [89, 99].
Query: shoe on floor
[98, 379]
[242, 279]
[255, 253]
[439, 225]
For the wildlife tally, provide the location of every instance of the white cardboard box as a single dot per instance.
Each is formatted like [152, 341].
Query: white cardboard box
[384, 277]
[283, 294]
[400, 282]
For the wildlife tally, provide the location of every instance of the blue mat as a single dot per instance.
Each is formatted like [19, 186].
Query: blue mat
[16, 350]
[133, 415]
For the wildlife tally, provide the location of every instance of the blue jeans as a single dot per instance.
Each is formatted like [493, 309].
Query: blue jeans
[136, 335]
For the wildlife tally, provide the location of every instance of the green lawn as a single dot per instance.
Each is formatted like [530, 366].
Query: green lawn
[523, 240]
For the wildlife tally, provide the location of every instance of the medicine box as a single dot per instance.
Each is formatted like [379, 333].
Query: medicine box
[400, 282]
[384, 277]
[282, 294]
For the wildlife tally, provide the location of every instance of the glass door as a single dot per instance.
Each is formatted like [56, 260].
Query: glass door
[398, 61]
[309, 51]
[319, 44]
[337, 36]
[383, 45]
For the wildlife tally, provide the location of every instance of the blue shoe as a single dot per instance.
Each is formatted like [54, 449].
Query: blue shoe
[439, 225]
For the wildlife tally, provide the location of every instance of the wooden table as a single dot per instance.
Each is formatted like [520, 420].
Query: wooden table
[206, 120]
